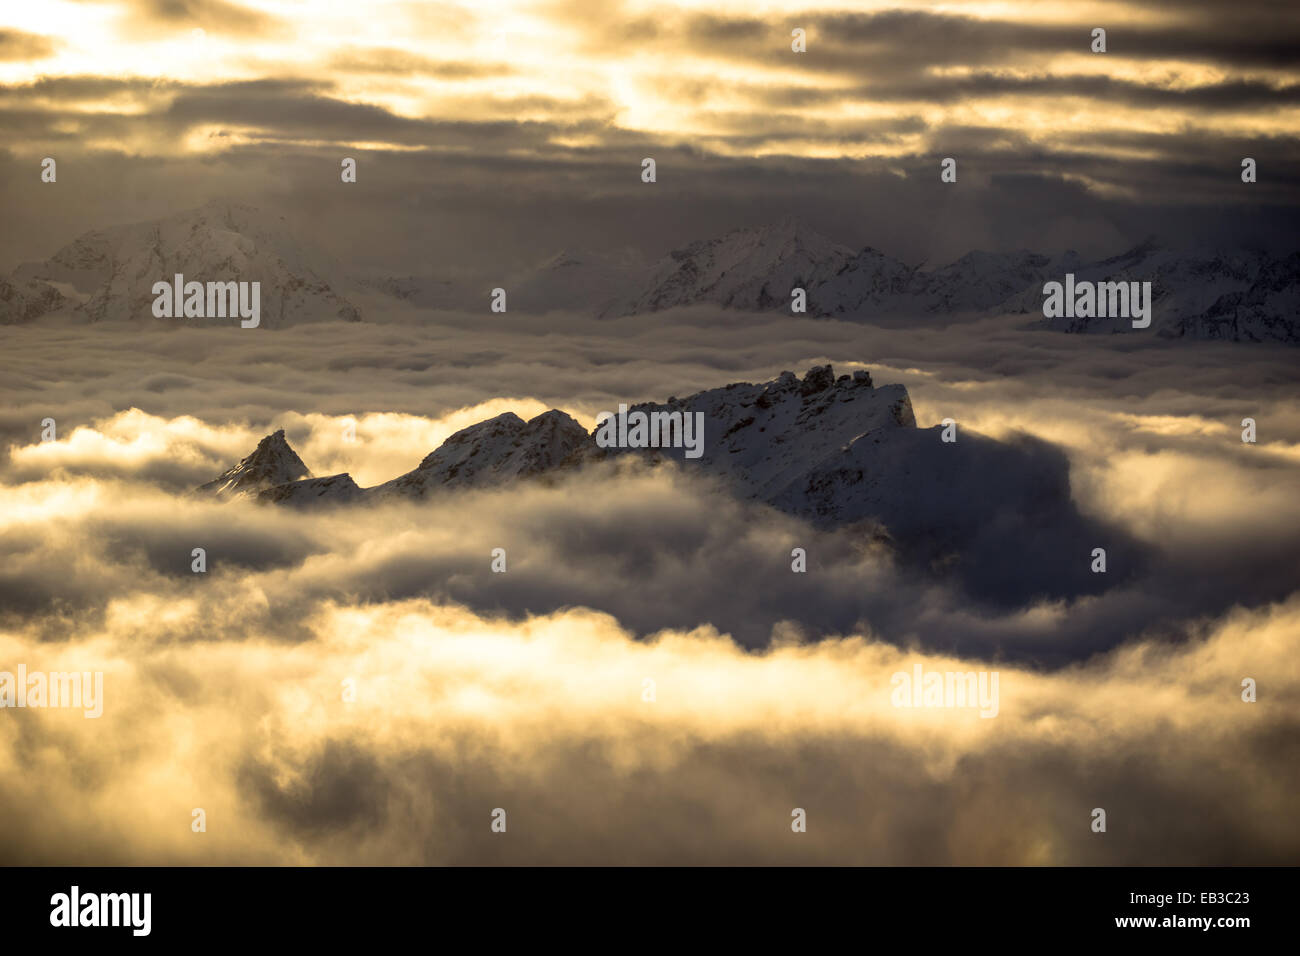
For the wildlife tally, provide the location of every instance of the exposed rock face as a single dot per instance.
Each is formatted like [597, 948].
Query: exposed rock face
[501, 449]
[1246, 296]
[22, 300]
[272, 463]
[333, 489]
[762, 437]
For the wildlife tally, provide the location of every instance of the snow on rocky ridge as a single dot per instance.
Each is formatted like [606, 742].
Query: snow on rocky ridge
[1244, 295]
[272, 464]
[836, 451]
[115, 269]
[759, 437]
[1239, 295]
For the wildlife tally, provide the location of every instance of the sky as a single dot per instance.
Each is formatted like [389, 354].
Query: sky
[514, 130]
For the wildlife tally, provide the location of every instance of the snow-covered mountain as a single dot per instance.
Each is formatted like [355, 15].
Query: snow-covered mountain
[422, 291]
[837, 451]
[752, 269]
[498, 450]
[979, 281]
[273, 463]
[1237, 296]
[874, 284]
[1267, 310]
[757, 269]
[760, 438]
[117, 267]
[306, 492]
[870, 284]
[589, 282]
[1242, 296]
[22, 300]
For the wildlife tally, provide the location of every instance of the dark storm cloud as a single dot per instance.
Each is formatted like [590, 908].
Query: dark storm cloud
[405, 63]
[289, 114]
[908, 41]
[286, 109]
[1227, 95]
[63, 90]
[502, 195]
[874, 802]
[147, 17]
[17, 45]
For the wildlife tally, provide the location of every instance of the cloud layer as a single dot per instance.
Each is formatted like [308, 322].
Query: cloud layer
[525, 690]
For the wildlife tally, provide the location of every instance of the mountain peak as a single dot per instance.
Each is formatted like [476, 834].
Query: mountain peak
[491, 452]
[221, 240]
[753, 268]
[273, 462]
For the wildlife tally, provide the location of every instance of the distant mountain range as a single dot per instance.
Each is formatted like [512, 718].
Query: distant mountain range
[837, 451]
[108, 275]
[1237, 295]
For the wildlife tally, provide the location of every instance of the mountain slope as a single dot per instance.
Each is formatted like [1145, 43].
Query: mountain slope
[220, 242]
[22, 300]
[1242, 295]
[306, 492]
[272, 463]
[108, 275]
[500, 449]
[997, 516]
[752, 269]
[761, 437]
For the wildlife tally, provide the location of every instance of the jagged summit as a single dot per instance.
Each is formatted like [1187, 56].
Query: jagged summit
[113, 270]
[500, 449]
[834, 450]
[1239, 294]
[760, 437]
[272, 463]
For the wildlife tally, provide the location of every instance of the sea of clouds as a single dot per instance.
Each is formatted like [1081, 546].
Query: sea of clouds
[525, 690]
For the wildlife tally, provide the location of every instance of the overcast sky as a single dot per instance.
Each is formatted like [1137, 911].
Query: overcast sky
[507, 131]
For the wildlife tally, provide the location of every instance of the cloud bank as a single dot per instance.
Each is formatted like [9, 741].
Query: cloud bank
[524, 690]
